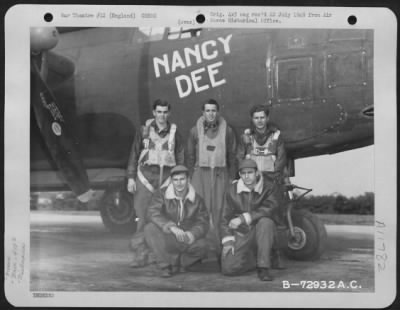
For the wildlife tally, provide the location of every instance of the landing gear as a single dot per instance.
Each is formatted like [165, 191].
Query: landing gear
[309, 239]
[303, 236]
[117, 211]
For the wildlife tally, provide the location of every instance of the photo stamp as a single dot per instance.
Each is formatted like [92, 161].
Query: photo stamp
[200, 156]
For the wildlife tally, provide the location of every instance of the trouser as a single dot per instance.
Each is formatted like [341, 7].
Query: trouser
[141, 201]
[170, 252]
[143, 195]
[251, 250]
[282, 196]
[211, 185]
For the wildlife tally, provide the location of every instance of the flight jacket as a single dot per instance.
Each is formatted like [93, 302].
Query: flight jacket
[249, 205]
[190, 214]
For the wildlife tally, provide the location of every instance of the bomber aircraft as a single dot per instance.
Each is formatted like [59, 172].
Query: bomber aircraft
[92, 88]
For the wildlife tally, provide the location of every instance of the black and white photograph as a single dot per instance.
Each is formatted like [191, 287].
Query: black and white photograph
[226, 152]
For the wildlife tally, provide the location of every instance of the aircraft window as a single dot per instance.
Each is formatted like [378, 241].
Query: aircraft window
[173, 33]
[346, 69]
[149, 34]
[293, 79]
[182, 33]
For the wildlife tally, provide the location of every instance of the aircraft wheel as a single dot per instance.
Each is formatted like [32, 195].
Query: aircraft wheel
[310, 237]
[117, 211]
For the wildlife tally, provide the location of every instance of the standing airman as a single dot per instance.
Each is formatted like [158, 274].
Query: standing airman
[211, 157]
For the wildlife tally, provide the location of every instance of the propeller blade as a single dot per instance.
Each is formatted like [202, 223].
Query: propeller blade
[57, 134]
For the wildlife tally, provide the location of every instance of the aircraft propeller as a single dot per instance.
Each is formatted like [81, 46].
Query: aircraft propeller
[55, 128]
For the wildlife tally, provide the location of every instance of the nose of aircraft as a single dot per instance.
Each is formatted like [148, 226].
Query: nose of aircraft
[43, 38]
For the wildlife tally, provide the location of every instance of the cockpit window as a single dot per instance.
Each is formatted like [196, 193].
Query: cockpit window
[176, 33]
[150, 34]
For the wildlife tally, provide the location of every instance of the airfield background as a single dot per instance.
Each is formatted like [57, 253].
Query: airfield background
[342, 184]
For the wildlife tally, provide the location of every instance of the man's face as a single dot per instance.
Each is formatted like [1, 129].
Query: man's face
[180, 183]
[161, 115]
[249, 177]
[210, 112]
[260, 120]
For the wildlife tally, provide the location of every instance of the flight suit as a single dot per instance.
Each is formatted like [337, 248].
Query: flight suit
[267, 150]
[150, 163]
[254, 239]
[212, 162]
[189, 214]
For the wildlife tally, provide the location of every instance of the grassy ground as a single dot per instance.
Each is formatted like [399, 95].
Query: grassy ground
[346, 219]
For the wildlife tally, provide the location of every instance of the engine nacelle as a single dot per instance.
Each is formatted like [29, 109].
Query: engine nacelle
[43, 39]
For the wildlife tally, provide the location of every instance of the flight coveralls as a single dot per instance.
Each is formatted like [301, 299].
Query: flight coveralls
[211, 160]
[189, 214]
[154, 152]
[254, 239]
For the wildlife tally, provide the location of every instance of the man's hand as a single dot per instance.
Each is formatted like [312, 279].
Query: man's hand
[235, 223]
[131, 187]
[189, 238]
[228, 247]
[179, 233]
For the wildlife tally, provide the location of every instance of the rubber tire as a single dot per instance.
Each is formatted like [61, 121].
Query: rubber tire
[119, 219]
[316, 236]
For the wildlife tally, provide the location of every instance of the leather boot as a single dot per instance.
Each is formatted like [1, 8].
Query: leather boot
[264, 275]
[139, 259]
[166, 272]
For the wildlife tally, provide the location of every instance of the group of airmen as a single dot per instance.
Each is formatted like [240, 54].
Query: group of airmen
[183, 211]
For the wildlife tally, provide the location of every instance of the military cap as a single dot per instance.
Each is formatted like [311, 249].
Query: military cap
[247, 163]
[179, 169]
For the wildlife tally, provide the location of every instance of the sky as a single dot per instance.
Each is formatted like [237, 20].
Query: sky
[349, 173]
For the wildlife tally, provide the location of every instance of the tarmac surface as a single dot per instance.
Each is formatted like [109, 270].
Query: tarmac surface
[72, 251]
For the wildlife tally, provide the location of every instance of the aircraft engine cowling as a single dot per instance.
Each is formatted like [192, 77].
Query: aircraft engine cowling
[43, 39]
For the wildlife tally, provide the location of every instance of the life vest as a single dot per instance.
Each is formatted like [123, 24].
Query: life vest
[264, 155]
[159, 151]
[212, 152]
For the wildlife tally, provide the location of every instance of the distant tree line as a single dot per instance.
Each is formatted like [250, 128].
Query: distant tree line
[339, 204]
[331, 204]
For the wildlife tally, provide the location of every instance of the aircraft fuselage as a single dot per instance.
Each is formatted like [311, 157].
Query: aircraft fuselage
[317, 83]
